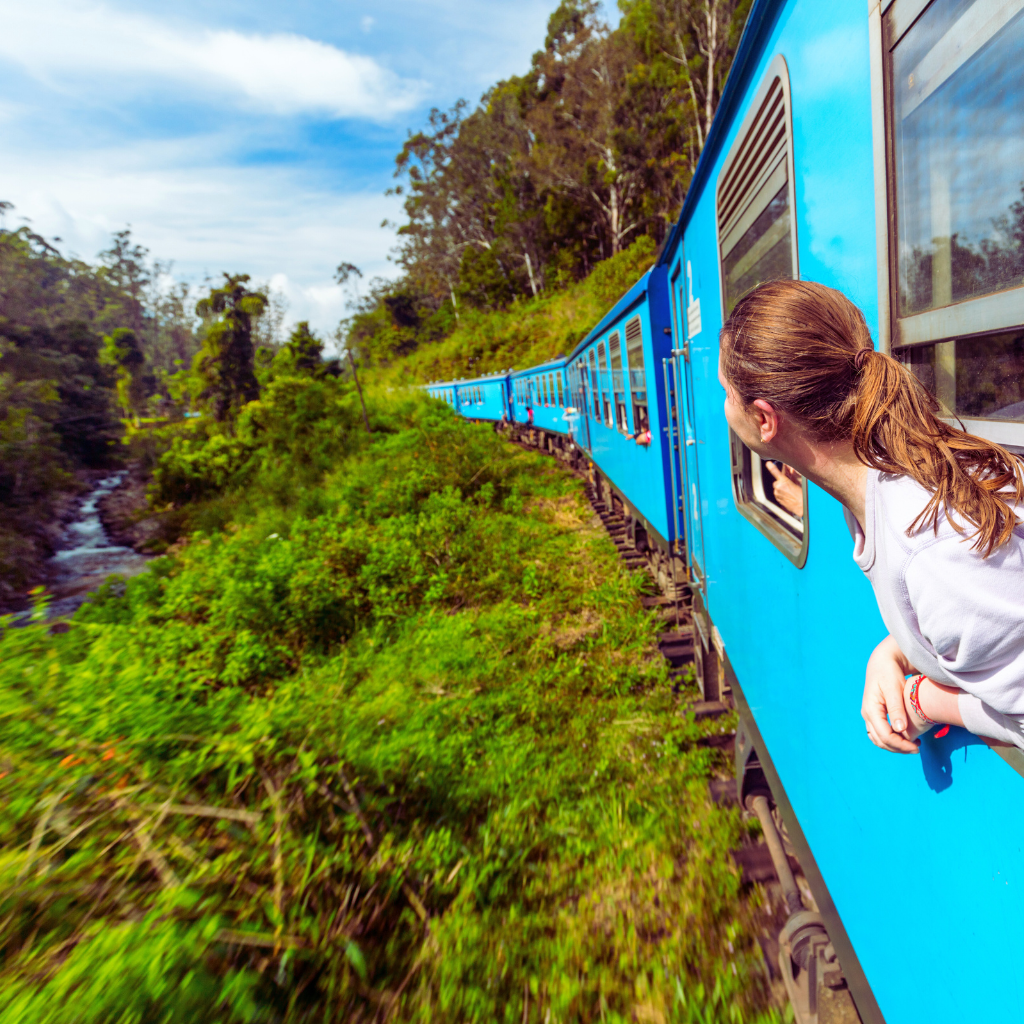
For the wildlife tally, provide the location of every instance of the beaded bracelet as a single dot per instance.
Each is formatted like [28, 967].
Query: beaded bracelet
[914, 702]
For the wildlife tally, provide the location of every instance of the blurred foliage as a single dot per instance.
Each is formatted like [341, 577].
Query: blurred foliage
[122, 351]
[395, 743]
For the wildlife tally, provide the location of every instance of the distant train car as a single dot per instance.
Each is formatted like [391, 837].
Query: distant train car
[540, 397]
[616, 379]
[445, 392]
[480, 398]
[878, 150]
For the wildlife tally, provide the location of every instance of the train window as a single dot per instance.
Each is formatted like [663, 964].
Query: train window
[606, 403]
[756, 235]
[773, 497]
[637, 375]
[757, 243]
[595, 390]
[618, 385]
[956, 109]
[561, 393]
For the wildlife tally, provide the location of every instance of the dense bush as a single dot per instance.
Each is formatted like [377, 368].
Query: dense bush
[402, 751]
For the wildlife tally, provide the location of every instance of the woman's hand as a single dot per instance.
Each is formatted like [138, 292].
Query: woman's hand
[788, 488]
[883, 695]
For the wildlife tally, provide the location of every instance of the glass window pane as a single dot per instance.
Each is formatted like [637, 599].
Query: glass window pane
[763, 253]
[959, 137]
[979, 378]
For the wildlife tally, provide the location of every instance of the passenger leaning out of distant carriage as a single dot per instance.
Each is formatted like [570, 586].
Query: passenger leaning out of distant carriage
[936, 526]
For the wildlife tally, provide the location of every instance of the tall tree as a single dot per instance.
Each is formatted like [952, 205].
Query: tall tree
[302, 353]
[698, 36]
[126, 265]
[581, 83]
[223, 367]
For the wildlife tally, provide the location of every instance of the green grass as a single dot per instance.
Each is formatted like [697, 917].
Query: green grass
[395, 744]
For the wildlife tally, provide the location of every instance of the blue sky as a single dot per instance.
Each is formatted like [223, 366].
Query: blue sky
[248, 137]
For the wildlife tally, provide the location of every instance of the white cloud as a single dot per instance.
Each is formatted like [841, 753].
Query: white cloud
[366, 23]
[273, 223]
[71, 44]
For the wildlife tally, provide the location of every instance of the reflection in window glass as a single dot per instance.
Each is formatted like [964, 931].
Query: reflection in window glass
[978, 378]
[959, 99]
[763, 253]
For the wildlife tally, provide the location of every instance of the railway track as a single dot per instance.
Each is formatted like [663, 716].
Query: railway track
[673, 608]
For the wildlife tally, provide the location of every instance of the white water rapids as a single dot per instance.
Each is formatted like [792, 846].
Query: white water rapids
[89, 556]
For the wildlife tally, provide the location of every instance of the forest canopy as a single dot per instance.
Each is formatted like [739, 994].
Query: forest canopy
[554, 170]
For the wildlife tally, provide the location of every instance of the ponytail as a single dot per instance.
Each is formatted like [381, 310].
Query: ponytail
[806, 349]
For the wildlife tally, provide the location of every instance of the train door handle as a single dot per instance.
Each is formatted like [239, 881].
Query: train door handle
[690, 441]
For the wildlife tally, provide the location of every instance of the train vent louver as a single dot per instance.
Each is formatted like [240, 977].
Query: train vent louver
[633, 330]
[763, 147]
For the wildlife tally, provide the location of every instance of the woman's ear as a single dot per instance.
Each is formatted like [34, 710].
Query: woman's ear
[767, 420]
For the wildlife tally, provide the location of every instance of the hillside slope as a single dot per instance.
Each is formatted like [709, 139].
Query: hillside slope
[527, 332]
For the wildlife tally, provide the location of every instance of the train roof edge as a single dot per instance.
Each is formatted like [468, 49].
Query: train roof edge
[615, 313]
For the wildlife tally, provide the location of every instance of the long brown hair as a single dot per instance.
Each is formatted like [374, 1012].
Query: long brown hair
[806, 349]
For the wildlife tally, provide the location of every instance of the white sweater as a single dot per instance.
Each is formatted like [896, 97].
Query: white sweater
[958, 617]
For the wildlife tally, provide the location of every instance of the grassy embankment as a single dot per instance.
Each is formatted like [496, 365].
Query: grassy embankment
[390, 741]
[530, 331]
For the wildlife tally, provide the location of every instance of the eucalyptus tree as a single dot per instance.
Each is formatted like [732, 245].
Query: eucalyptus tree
[223, 366]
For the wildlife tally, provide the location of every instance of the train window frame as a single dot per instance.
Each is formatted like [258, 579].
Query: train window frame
[634, 334]
[602, 378]
[933, 332]
[595, 388]
[618, 393]
[761, 171]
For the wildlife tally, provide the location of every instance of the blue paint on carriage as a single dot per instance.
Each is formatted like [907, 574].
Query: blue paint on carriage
[539, 396]
[639, 471]
[478, 398]
[921, 855]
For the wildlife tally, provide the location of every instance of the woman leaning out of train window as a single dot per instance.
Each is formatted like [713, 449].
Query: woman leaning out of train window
[935, 509]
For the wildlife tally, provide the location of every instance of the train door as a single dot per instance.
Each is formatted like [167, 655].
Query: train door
[674, 429]
[688, 327]
[584, 406]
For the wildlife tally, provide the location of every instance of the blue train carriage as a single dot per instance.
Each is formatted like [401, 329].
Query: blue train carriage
[877, 149]
[539, 397]
[444, 391]
[477, 398]
[616, 376]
